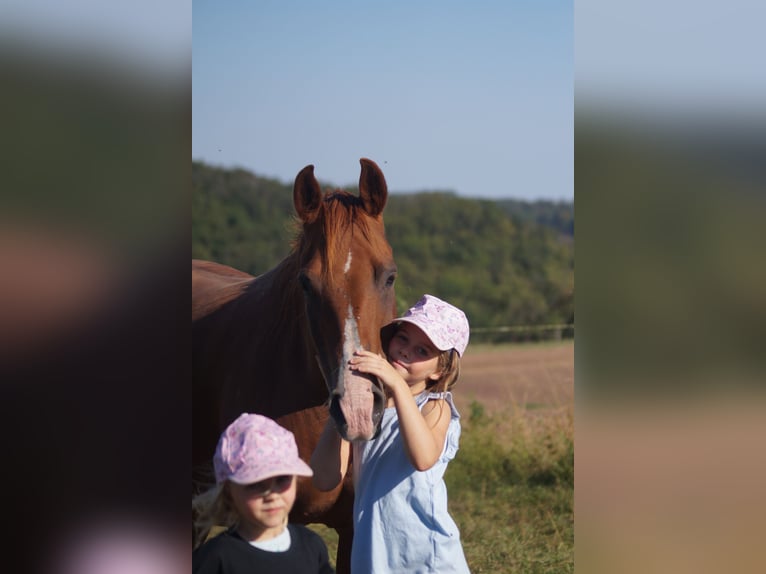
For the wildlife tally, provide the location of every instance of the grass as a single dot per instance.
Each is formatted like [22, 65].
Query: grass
[502, 347]
[511, 491]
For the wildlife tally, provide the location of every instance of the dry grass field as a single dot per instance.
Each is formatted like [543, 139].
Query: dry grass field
[531, 375]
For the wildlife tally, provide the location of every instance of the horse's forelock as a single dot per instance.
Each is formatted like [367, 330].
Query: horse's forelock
[341, 213]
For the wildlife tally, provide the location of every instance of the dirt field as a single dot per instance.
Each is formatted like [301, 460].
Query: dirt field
[526, 375]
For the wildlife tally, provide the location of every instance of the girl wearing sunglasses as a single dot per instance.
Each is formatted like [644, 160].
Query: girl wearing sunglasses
[256, 462]
[401, 522]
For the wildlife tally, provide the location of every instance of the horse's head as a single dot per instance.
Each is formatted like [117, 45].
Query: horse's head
[347, 274]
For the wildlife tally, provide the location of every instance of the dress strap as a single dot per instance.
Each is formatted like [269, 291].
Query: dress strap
[426, 396]
[453, 433]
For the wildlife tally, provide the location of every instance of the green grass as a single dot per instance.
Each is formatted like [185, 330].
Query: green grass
[511, 491]
[517, 529]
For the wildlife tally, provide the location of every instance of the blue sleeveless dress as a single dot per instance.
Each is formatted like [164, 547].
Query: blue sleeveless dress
[401, 523]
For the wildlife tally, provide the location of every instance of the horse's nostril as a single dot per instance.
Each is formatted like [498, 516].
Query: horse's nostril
[378, 406]
[377, 392]
[377, 415]
[337, 415]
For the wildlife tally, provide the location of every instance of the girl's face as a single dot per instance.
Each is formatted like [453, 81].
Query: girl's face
[263, 506]
[413, 356]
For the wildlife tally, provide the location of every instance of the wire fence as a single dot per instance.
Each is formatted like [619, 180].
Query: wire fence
[522, 333]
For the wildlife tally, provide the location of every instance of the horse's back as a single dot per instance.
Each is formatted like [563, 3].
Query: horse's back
[214, 285]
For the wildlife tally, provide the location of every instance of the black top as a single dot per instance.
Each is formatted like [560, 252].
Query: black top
[228, 553]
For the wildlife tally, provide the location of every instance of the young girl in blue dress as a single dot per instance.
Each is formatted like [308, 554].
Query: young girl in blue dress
[401, 522]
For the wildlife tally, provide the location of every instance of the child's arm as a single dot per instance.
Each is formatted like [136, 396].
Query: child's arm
[329, 461]
[423, 432]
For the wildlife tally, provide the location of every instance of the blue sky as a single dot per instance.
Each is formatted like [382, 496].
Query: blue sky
[473, 97]
[674, 57]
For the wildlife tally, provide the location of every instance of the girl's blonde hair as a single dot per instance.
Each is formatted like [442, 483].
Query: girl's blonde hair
[449, 365]
[212, 508]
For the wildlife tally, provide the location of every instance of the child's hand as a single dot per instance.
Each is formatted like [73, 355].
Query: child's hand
[370, 363]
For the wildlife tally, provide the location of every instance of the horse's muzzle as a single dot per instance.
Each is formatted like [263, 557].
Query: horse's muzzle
[357, 407]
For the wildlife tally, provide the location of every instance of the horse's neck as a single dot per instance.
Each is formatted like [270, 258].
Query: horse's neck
[275, 300]
[270, 350]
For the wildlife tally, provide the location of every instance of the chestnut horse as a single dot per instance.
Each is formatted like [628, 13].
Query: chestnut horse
[279, 344]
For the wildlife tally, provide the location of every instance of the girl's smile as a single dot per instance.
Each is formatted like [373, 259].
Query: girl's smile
[413, 355]
[398, 363]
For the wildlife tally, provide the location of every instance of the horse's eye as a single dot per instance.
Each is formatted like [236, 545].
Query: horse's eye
[390, 280]
[305, 282]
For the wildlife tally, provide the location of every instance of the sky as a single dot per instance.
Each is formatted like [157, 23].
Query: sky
[470, 97]
[672, 57]
[476, 97]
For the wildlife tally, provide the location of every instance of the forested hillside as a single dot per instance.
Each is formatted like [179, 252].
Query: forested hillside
[504, 262]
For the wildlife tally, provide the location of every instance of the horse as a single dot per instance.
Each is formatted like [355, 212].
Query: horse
[278, 344]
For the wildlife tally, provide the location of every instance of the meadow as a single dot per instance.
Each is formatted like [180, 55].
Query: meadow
[511, 485]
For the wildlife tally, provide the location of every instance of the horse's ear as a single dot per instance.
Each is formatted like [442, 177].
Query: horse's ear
[307, 195]
[373, 190]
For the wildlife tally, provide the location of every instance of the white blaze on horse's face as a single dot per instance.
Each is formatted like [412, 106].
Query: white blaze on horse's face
[357, 400]
[348, 263]
[351, 340]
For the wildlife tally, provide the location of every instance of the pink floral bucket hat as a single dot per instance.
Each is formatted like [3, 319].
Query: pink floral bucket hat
[444, 324]
[254, 448]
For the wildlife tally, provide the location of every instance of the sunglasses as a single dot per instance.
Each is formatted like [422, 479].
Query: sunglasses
[268, 485]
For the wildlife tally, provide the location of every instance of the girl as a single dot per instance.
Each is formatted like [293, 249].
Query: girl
[401, 523]
[256, 462]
